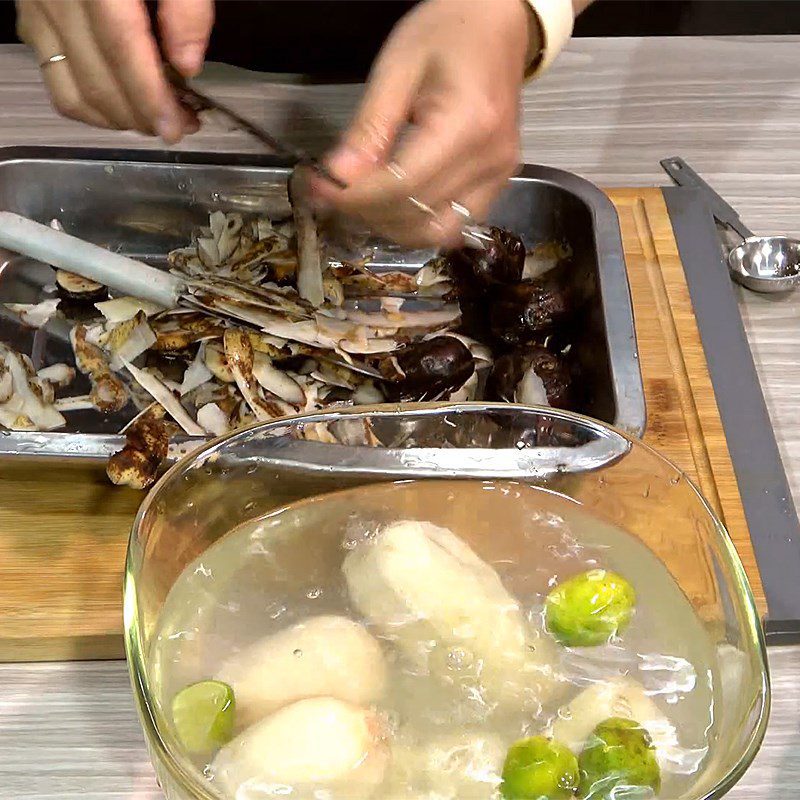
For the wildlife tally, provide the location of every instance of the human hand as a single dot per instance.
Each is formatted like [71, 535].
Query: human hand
[453, 69]
[112, 75]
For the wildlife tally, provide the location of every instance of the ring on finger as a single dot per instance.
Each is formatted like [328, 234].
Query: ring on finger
[52, 60]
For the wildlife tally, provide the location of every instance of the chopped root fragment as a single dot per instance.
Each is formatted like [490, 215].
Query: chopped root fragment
[146, 448]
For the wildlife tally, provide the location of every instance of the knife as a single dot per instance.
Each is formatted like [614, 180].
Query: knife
[197, 101]
[475, 235]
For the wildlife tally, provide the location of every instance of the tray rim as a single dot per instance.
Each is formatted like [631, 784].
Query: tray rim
[615, 294]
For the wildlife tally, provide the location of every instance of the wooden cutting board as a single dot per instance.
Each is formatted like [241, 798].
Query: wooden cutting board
[63, 531]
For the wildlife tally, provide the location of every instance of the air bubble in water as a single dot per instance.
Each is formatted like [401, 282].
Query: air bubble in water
[350, 544]
[275, 610]
[458, 658]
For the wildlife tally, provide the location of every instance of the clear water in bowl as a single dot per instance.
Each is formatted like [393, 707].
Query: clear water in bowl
[441, 687]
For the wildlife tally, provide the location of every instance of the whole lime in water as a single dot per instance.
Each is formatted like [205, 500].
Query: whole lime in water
[619, 761]
[203, 715]
[538, 768]
[590, 608]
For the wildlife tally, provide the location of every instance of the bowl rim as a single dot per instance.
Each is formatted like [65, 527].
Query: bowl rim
[148, 715]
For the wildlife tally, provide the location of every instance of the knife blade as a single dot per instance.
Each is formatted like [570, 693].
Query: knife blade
[198, 101]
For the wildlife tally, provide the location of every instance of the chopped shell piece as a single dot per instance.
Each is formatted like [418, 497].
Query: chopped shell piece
[213, 419]
[197, 373]
[59, 375]
[128, 340]
[240, 356]
[35, 315]
[309, 271]
[29, 404]
[161, 394]
[121, 309]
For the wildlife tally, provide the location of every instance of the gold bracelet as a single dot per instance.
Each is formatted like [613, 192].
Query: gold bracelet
[555, 19]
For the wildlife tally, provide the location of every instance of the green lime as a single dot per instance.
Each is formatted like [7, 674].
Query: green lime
[203, 716]
[590, 608]
[538, 768]
[619, 761]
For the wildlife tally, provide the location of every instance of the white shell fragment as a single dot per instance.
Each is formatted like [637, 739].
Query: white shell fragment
[6, 382]
[25, 408]
[35, 315]
[81, 402]
[309, 267]
[240, 356]
[276, 381]
[58, 374]
[197, 373]
[159, 392]
[325, 656]
[312, 744]
[121, 309]
[531, 390]
[126, 341]
[213, 419]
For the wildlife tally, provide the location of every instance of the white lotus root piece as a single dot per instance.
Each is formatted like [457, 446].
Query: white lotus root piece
[429, 593]
[322, 656]
[315, 743]
[457, 766]
[623, 698]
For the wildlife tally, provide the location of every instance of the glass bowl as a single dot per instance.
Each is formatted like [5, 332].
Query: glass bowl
[262, 468]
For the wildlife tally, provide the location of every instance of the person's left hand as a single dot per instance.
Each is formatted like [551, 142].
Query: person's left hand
[453, 69]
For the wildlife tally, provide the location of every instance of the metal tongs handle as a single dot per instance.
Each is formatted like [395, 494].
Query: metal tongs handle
[685, 176]
[120, 273]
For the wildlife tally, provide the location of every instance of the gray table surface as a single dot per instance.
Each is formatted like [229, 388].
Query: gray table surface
[609, 110]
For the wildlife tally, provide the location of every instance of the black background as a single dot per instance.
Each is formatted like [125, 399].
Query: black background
[339, 38]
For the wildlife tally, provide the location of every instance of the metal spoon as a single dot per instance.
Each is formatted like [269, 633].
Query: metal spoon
[760, 263]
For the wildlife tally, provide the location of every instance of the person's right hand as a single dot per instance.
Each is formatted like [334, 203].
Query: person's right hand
[112, 75]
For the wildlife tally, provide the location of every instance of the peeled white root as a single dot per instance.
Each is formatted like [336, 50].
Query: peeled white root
[321, 656]
[448, 612]
[462, 765]
[318, 742]
[618, 698]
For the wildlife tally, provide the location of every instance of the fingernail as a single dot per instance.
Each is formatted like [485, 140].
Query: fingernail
[189, 59]
[169, 128]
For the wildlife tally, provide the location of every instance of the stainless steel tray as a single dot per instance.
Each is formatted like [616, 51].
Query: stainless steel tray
[144, 203]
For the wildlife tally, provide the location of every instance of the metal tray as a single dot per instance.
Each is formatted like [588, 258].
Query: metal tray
[144, 203]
